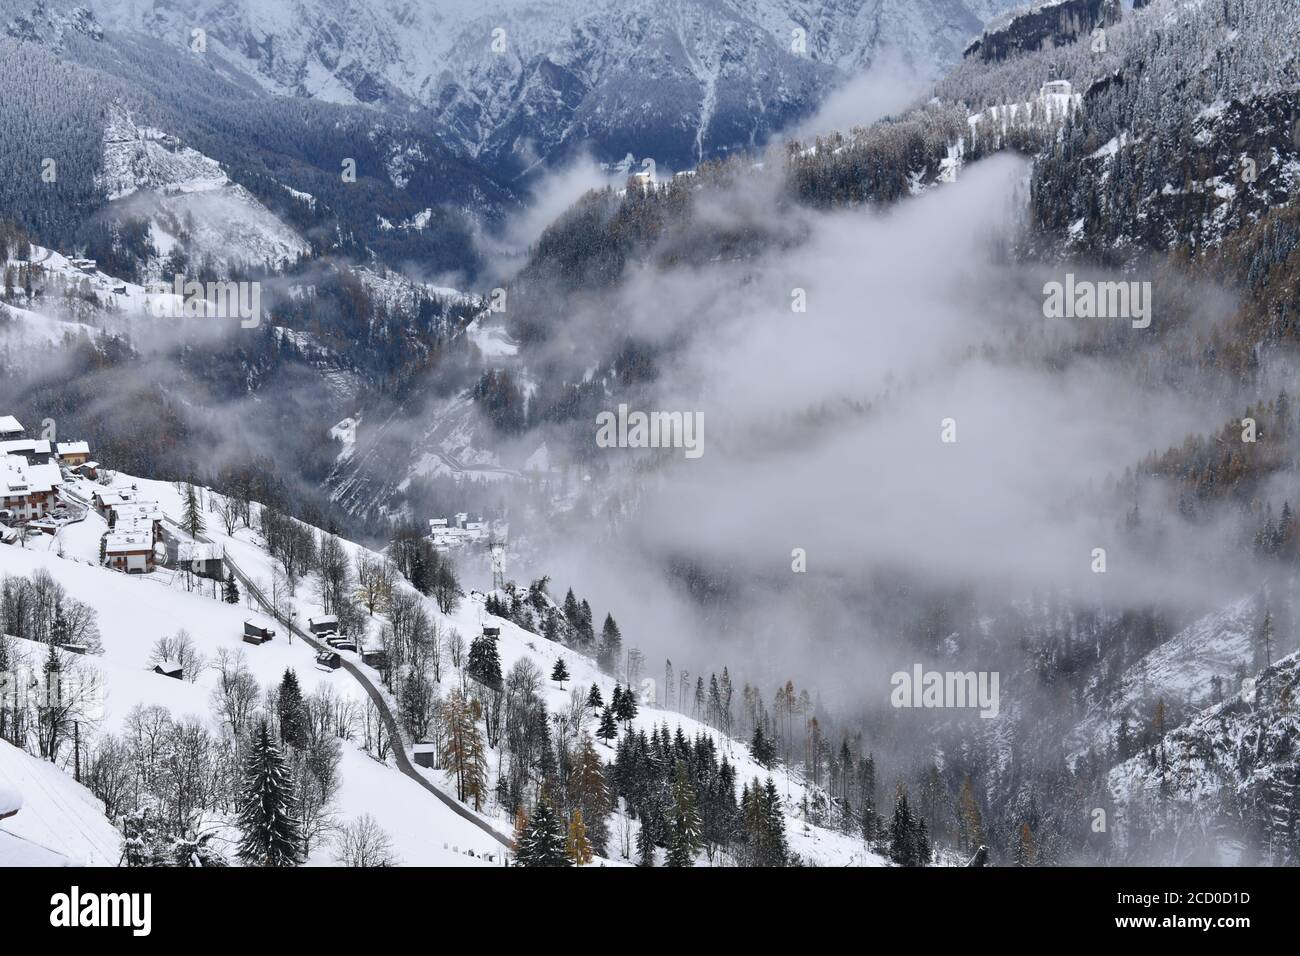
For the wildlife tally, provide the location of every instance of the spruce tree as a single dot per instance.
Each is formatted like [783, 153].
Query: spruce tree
[560, 673]
[775, 850]
[762, 749]
[626, 709]
[192, 516]
[293, 714]
[645, 845]
[607, 730]
[611, 646]
[684, 834]
[902, 833]
[484, 664]
[270, 831]
[544, 838]
[232, 589]
[594, 700]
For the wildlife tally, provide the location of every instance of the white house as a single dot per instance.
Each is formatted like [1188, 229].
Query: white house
[73, 452]
[27, 490]
[130, 551]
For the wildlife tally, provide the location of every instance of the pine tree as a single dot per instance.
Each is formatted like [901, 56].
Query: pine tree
[645, 845]
[902, 832]
[684, 832]
[626, 708]
[484, 664]
[192, 515]
[270, 831]
[293, 714]
[559, 672]
[544, 838]
[594, 700]
[232, 589]
[923, 851]
[607, 730]
[762, 749]
[611, 646]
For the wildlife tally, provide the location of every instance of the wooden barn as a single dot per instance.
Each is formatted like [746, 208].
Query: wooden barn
[255, 633]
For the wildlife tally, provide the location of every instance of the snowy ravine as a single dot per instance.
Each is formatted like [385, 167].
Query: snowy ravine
[134, 611]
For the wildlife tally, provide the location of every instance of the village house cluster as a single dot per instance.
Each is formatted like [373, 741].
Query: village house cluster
[34, 495]
[463, 529]
[32, 472]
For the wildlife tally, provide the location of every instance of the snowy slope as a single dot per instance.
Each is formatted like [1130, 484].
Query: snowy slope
[1232, 762]
[1179, 670]
[134, 611]
[60, 822]
[189, 200]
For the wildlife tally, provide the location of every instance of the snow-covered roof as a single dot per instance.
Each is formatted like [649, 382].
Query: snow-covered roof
[137, 510]
[10, 425]
[25, 446]
[19, 479]
[323, 619]
[169, 667]
[128, 542]
[74, 447]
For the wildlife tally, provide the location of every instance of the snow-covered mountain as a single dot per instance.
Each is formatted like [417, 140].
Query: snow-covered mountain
[511, 81]
[188, 200]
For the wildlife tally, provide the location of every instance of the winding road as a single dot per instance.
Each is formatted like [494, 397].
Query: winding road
[390, 721]
[381, 704]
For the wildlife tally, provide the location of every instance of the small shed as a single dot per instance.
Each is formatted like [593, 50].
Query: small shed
[255, 633]
[169, 669]
[425, 754]
[202, 558]
[376, 657]
[325, 624]
[74, 648]
[329, 660]
[492, 632]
